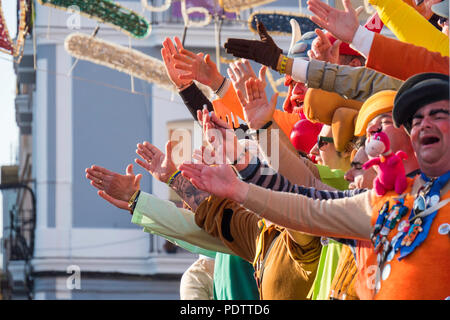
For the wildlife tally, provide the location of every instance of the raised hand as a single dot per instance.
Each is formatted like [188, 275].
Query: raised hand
[265, 51]
[158, 164]
[167, 52]
[198, 67]
[221, 139]
[241, 70]
[257, 109]
[220, 180]
[341, 23]
[114, 187]
[322, 49]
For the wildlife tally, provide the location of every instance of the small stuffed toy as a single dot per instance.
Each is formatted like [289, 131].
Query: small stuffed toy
[391, 175]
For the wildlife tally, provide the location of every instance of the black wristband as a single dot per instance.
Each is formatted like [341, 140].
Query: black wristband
[267, 125]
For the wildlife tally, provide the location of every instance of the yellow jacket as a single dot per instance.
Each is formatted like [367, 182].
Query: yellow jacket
[410, 26]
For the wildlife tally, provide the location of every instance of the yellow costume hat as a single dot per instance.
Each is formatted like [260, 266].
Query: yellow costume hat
[379, 103]
[332, 109]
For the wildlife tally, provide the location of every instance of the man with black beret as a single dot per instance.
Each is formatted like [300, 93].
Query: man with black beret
[411, 260]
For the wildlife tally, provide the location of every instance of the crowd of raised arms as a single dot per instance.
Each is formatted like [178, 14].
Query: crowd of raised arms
[342, 192]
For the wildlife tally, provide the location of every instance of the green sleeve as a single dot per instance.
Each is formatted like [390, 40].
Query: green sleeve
[333, 177]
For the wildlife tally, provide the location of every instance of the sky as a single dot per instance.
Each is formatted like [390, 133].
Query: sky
[8, 127]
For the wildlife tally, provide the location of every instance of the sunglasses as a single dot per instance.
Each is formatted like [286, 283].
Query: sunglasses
[321, 141]
[442, 20]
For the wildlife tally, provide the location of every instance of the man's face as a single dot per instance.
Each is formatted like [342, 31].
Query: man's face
[430, 136]
[359, 178]
[327, 154]
[397, 136]
[296, 95]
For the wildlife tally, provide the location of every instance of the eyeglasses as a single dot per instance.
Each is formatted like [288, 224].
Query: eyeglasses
[321, 141]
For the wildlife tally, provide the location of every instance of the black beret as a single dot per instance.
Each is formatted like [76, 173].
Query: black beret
[416, 92]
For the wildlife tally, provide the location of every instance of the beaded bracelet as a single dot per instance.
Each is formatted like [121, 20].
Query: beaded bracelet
[173, 176]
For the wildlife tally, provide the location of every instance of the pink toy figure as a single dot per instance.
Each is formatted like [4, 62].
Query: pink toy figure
[391, 173]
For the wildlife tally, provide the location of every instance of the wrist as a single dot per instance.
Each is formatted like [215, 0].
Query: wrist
[172, 177]
[133, 200]
[280, 59]
[182, 87]
[240, 192]
[216, 81]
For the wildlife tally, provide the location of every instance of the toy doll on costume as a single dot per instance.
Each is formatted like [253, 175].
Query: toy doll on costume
[391, 173]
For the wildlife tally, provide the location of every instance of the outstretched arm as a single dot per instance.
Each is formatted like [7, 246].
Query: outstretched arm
[346, 218]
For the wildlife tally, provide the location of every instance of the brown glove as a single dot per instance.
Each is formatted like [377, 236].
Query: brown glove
[265, 51]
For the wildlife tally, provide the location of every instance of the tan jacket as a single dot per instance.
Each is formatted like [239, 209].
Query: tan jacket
[290, 267]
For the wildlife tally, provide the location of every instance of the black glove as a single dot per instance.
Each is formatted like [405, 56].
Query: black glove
[265, 51]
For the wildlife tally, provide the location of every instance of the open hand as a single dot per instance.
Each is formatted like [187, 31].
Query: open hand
[341, 23]
[167, 52]
[158, 164]
[198, 67]
[257, 110]
[322, 49]
[114, 187]
[240, 71]
[220, 137]
[220, 180]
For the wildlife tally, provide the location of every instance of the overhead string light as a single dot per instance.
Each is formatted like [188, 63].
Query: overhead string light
[239, 5]
[124, 59]
[109, 12]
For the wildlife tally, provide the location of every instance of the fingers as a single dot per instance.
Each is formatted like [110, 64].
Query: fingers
[220, 123]
[118, 203]
[262, 74]
[273, 101]
[143, 164]
[241, 98]
[167, 43]
[129, 170]
[95, 176]
[96, 185]
[252, 87]
[137, 180]
[178, 43]
[231, 75]
[359, 10]
[169, 145]
[200, 117]
[347, 5]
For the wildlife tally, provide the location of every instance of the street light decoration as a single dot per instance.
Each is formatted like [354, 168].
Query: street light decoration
[278, 22]
[130, 61]
[106, 11]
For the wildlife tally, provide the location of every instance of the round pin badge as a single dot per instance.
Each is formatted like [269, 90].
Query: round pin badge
[434, 200]
[444, 229]
[390, 255]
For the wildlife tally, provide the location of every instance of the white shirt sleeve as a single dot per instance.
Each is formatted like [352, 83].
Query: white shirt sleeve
[299, 70]
[362, 41]
[163, 218]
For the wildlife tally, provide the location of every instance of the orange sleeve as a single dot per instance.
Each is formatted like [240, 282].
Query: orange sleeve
[286, 120]
[403, 60]
[229, 105]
